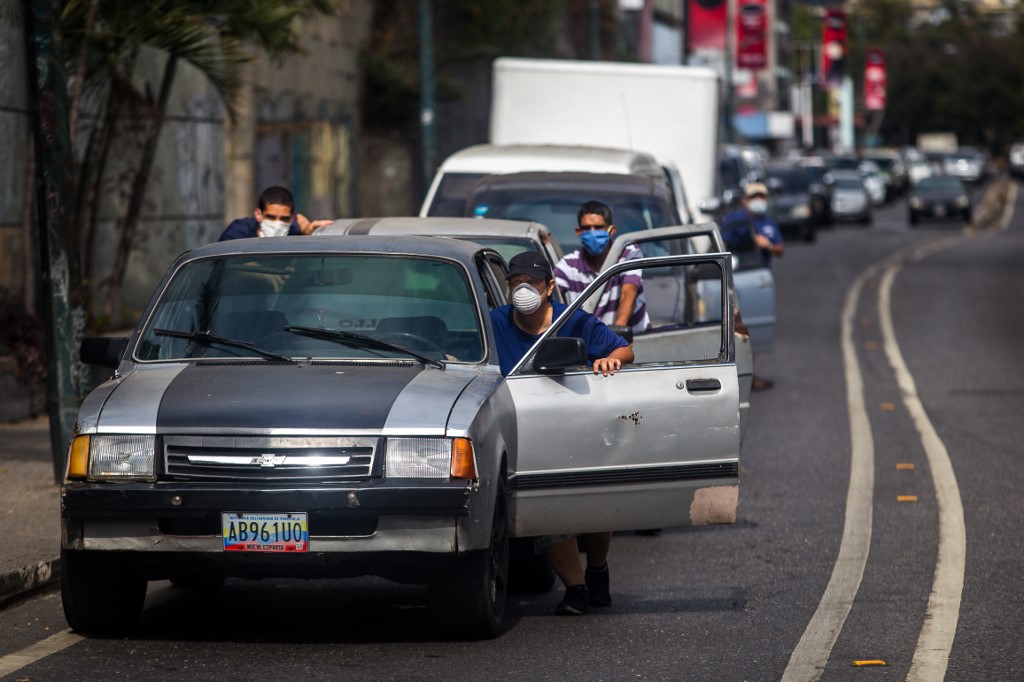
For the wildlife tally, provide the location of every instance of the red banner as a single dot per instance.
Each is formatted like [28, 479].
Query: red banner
[833, 48]
[874, 80]
[751, 34]
[706, 24]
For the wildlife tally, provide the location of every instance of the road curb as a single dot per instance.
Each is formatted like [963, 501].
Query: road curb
[26, 579]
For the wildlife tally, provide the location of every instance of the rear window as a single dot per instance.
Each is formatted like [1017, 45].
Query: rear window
[557, 210]
[452, 193]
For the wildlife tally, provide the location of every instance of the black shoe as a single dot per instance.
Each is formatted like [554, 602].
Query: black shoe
[575, 603]
[597, 584]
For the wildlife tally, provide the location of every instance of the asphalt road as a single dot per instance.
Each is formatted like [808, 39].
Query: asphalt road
[718, 603]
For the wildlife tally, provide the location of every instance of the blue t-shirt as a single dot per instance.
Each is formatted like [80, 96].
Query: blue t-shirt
[513, 342]
[738, 226]
[247, 227]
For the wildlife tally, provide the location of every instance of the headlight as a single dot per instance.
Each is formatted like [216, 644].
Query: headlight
[429, 458]
[963, 201]
[915, 202]
[113, 458]
[800, 211]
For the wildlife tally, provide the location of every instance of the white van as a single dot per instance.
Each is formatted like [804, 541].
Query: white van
[456, 177]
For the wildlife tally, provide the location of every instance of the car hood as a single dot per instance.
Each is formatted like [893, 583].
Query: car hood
[227, 397]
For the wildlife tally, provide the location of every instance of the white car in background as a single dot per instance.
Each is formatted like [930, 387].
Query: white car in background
[874, 182]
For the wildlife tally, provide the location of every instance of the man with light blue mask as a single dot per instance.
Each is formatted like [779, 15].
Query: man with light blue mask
[622, 303]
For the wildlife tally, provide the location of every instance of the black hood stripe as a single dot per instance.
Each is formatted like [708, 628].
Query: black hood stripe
[282, 396]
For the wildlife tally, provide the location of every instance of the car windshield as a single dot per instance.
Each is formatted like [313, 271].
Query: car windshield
[557, 210]
[849, 183]
[452, 192]
[941, 183]
[422, 304]
[790, 180]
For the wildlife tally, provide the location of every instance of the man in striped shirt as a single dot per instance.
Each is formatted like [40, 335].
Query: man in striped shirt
[622, 302]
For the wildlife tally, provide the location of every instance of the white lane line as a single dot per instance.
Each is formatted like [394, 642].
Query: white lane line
[936, 639]
[807, 663]
[30, 654]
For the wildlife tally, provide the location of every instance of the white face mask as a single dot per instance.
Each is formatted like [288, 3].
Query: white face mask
[526, 299]
[758, 205]
[273, 228]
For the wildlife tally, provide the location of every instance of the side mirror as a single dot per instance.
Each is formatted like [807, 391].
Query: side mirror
[557, 354]
[622, 330]
[103, 351]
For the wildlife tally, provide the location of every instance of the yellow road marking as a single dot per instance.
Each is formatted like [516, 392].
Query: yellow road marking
[906, 498]
[888, 407]
[871, 662]
[904, 466]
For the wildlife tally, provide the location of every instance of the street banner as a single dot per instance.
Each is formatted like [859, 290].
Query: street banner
[706, 24]
[874, 80]
[833, 48]
[751, 34]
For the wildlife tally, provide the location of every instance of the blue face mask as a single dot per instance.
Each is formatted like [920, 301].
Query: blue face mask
[595, 241]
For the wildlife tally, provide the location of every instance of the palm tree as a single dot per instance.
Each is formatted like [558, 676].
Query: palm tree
[105, 37]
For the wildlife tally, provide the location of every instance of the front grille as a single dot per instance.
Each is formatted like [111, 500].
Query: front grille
[269, 458]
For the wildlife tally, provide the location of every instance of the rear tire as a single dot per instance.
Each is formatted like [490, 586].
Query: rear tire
[468, 594]
[101, 595]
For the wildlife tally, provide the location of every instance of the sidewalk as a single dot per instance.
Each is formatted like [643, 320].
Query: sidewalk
[29, 509]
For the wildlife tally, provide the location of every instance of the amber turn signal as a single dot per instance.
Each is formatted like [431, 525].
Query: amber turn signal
[78, 457]
[463, 461]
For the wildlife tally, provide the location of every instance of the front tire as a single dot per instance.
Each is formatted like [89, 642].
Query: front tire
[101, 595]
[468, 594]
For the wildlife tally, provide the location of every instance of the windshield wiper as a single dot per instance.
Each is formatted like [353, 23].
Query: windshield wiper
[362, 341]
[207, 338]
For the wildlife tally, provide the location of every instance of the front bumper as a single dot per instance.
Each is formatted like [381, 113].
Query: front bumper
[172, 528]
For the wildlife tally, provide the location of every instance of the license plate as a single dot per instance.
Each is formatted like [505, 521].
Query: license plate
[265, 532]
[940, 211]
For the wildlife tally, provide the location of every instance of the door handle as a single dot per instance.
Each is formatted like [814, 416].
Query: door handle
[703, 385]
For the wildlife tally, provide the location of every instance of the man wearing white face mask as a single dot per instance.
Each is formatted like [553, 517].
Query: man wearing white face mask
[516, 328]
[274, 217]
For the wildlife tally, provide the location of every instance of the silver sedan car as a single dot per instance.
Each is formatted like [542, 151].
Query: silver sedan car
[850, 198]
[333, 406]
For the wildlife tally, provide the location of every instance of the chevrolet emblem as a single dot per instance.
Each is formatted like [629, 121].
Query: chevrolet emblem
[268, 461]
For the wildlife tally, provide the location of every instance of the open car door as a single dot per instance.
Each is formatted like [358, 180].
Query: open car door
[663, 296]
[654, 446]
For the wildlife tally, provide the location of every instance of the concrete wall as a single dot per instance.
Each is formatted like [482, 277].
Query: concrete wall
[15, 133]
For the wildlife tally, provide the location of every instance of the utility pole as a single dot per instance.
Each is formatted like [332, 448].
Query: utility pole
[58, 240]
[428, 131]
[593, 29]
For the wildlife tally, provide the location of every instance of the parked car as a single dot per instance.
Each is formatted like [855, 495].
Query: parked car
[820, 188]
[893, 169]
[553, 199]
[1016, 158]
[792, 204]
[507, 237]
[941, 196]
[967, 163]
[850, 199]
[874, 183]
[331, 406]
[457, 175]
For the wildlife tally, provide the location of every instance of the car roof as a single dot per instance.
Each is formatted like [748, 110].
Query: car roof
[609, 183]
[443, 227]
[490, 158]
[389, 244]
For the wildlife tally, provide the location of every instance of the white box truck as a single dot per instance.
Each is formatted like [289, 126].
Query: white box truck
[669, 111]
